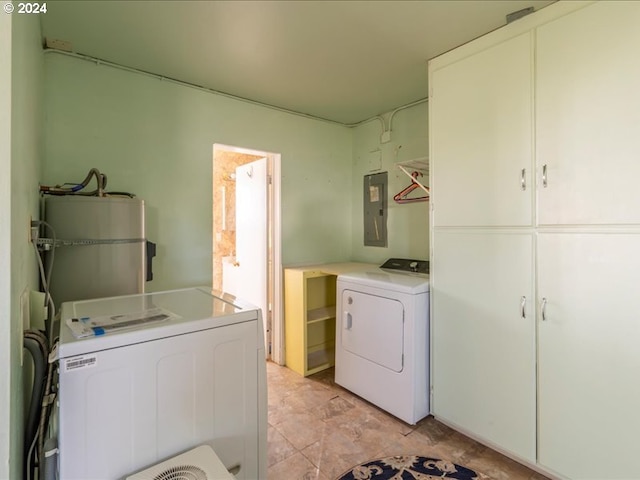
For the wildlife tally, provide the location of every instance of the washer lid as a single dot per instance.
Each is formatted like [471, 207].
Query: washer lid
[397, 282]
[146, 317]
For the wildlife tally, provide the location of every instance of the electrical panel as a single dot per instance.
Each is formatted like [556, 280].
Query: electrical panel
[375, 209]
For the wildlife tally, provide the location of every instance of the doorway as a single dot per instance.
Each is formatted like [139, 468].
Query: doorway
[246, 235]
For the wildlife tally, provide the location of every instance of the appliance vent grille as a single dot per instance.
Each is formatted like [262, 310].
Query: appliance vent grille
[182, 472]
[201, 463]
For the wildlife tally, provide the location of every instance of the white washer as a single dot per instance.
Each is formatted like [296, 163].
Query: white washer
[382, 340]
[130, 398]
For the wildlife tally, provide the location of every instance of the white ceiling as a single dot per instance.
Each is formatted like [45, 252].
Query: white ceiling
[344, 61]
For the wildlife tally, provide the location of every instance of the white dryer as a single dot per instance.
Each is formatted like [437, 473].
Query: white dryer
[146, 377]
[382, 337]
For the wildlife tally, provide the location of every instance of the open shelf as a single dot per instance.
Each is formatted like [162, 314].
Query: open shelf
[321, 314]
[310, 319]
[320, 358]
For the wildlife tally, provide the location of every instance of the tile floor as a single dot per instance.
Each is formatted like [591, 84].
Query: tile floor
[317, 430]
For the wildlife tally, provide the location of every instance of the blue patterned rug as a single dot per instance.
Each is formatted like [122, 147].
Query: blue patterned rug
[408, 467]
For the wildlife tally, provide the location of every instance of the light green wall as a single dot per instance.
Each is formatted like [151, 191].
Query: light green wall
[6, 357]
[21, 102]
[407, 224]
[154, 138]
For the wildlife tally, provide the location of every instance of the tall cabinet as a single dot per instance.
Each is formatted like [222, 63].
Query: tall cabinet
[588, 150]
[535, 151]
[482, 261]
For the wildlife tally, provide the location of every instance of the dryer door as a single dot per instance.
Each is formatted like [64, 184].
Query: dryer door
[373, 328]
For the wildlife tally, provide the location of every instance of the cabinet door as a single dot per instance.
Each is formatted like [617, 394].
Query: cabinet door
[589, 359]
[484, 337]
[480, 110]
[588, 116]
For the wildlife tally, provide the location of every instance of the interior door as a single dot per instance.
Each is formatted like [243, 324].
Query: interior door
[248, 280]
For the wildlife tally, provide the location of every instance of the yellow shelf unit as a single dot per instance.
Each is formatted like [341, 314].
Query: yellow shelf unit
[310, 319]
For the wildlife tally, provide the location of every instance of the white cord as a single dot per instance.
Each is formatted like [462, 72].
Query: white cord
[46, 278]
[33, 444]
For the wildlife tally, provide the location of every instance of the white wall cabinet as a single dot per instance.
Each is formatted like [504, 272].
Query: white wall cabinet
[572, 248]
[483, 142]
[588, 116]
[484, 349]
[588, 354]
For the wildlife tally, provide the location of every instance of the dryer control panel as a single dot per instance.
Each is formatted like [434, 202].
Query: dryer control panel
[407, 265]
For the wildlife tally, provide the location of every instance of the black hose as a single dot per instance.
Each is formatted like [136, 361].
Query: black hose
[35, 343]
[120, 194]
[47, 401]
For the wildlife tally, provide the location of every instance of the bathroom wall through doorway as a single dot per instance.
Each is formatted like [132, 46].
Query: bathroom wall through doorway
[246, 234]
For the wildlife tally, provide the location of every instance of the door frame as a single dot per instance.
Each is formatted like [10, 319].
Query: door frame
[274, 235]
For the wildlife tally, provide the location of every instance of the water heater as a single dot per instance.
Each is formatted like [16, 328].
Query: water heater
[100, 246]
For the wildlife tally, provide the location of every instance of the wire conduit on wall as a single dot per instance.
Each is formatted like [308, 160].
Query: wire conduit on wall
[99, 61]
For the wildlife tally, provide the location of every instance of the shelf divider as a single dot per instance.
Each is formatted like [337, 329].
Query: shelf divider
[321, 314]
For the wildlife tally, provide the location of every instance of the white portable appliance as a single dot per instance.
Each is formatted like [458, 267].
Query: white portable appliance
[157, 375]
[382, 337]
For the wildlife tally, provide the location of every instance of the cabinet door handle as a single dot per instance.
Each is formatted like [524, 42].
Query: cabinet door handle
[349, 320]
[544, 175]
[543, 309]
[523, 181]
[523, 303]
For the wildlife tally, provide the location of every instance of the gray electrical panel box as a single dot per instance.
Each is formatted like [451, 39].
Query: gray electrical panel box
[375, 210]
